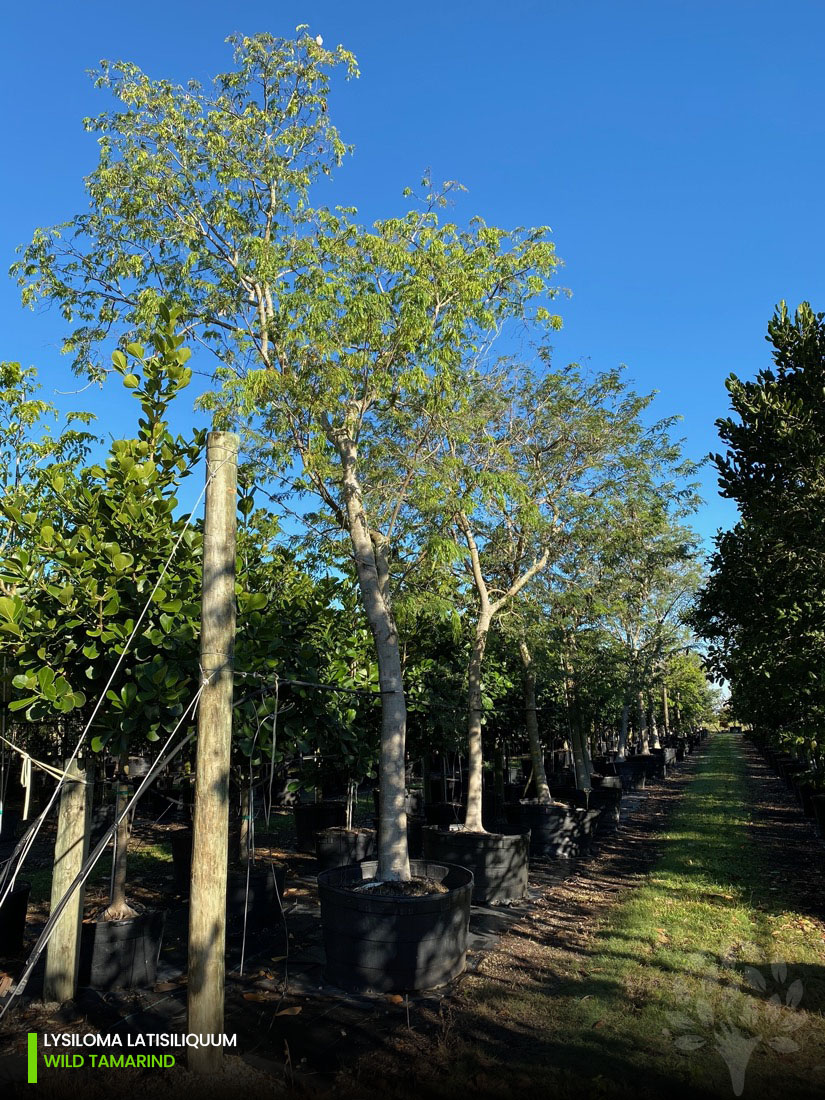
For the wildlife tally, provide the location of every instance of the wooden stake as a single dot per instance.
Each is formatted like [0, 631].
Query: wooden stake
[70, 850]
[207, 904]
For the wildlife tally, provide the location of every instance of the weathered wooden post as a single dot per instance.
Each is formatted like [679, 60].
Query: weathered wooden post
[70, 850]
[207, 906]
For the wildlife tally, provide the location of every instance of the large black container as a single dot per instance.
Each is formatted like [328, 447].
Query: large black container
[267, 880]
[498, 860]
[261, 898]
[311, 817]
[389, 944]
[13, 919]
[121, 954]
[557, 830]
[662, 761]
[609, 801]
[338, 847]
[634, 772]
[609, 782]
[568, 794]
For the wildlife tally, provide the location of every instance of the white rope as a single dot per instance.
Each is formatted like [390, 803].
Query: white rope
[160, 761]
[26, 784]
[56, 773]
[115, 670]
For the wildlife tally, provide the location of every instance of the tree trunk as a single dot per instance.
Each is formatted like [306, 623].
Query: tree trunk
[475, 759]
[644, 744]
[70, 851]
[352, 790]
[118, 908]
[210, 815]
[621, 751]
[373, 582]
[578, 742]
[654, 729]
[665, 711]
[531, 721]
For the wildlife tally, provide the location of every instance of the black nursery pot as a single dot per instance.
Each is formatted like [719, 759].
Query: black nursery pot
[609, 801]
[13, 919]
[498, 860]
[121, 954]
[558, 831]
[311, 817]
[394, 944]
[634, 772]
[338, 847]
[267, 880]
[261, 897]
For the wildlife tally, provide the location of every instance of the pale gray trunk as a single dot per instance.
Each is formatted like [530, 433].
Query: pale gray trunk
[665, 711]
[581, 757]
[644, 744]
[622, 748]
[531, 721]
[373, 582]
[654, 730]
[475, 757]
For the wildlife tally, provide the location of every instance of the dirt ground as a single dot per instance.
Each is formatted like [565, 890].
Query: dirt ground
[297, 1035]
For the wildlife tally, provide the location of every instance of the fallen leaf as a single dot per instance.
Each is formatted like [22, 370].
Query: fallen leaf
[278, 958]
[289, 1011]
[260, 998]
[395, 998]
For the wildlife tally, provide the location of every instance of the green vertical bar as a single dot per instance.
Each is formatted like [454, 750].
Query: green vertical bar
[32, 1057]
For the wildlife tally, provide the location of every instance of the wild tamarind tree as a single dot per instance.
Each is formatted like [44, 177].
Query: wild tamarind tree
[524, 464]
[336, 344]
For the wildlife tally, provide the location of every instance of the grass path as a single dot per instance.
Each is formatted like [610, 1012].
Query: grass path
[708, 971]
[705, 978]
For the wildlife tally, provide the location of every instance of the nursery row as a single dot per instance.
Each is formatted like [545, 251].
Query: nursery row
[372, 941]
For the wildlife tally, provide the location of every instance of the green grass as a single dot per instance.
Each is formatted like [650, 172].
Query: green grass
[651, 999]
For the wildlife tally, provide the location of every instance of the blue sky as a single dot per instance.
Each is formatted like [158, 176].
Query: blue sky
[675, 148]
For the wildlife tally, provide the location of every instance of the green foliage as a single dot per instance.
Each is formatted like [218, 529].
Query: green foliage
[763, 607]
[198, 197]
[82, 573]
[33, 462]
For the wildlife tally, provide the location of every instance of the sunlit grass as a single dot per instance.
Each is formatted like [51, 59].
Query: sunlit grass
[672, 969]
